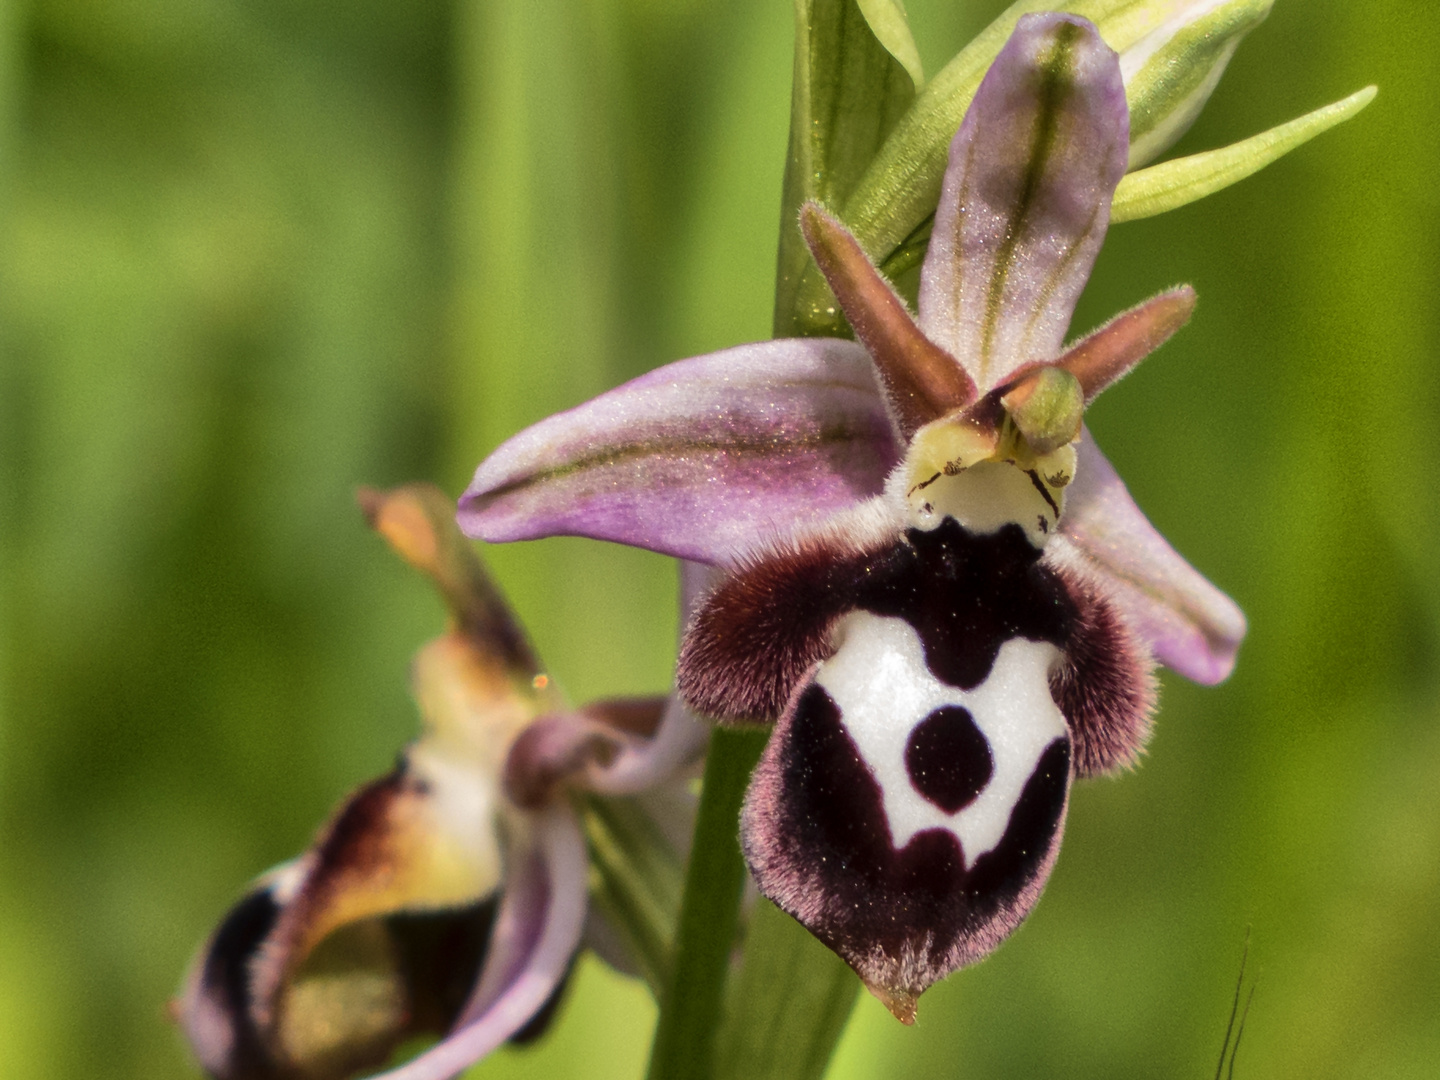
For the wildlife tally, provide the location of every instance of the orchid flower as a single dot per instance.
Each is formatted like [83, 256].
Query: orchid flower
[938, 587]
[448, 897]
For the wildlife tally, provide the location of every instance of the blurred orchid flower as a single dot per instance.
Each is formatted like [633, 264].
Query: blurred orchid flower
[448, 897]
[939, 586]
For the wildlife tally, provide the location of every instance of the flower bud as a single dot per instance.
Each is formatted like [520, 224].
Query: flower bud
[1170, 73]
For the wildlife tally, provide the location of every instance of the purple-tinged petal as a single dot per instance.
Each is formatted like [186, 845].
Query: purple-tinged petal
[621, 746]
[1107, 354]
[1026, 198]
[922, 381]
[1190, 625]
[700, 459]
[535, 936]
[557, 749]
[616, 747]
[679, 742]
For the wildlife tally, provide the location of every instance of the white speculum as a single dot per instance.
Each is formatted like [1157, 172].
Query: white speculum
[953, 471]
[883, 688]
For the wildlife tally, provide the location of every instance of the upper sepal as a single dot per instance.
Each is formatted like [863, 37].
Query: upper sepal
[1026, 198]
[700, 458]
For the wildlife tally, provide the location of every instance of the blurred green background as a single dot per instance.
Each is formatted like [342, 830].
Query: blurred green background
[253, 254]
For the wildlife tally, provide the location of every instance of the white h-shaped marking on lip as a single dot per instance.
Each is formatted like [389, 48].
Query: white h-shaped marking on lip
[879, 680]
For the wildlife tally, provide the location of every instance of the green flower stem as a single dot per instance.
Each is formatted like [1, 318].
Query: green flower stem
[690, 1013]
[788, 1005]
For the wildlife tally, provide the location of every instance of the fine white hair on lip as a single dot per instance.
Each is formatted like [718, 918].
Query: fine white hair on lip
[883, 688]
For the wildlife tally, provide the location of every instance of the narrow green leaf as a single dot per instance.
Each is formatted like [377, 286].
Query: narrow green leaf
[788, 1006]
[849, 91]
[1172, 184]
[691, 1007]
[639, 880]
[892, 29]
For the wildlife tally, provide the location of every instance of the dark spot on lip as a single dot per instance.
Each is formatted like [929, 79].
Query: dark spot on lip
[818, 818]
[948, 758]
[965, 596]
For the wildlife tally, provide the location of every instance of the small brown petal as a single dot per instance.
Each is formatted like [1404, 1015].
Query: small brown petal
[922, 381]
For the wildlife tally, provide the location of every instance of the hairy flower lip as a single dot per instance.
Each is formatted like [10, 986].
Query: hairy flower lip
[1194, 628]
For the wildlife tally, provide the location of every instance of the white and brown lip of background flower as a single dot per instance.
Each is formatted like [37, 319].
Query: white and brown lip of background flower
[448, 897]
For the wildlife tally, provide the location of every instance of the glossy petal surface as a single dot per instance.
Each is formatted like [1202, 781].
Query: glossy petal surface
[701, 459]
[1026, 198]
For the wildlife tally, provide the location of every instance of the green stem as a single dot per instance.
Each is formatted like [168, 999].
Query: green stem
[684, 1046]
[788, 1005]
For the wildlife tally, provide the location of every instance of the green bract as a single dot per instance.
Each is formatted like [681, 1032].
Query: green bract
[1172, 184]
[1172, 55]
[849, 92]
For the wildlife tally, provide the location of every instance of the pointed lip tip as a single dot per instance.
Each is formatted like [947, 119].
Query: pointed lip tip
[901, 1002]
